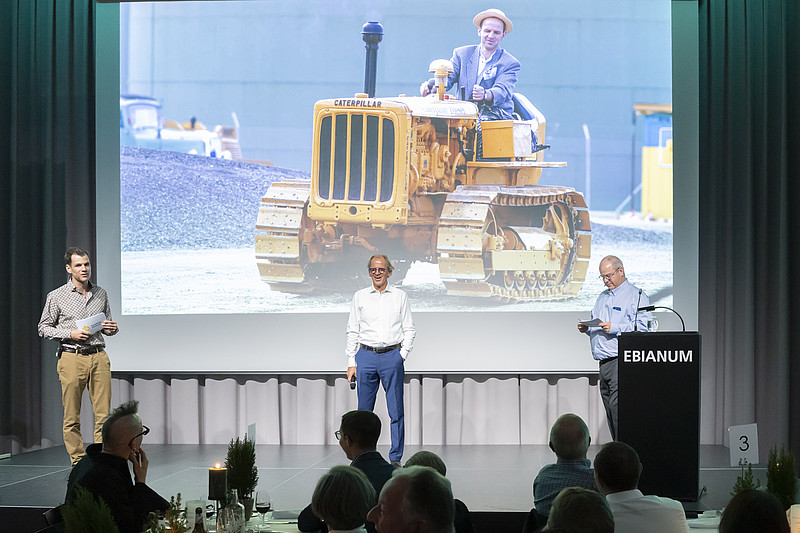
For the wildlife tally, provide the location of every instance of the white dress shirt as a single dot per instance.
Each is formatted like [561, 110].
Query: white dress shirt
[379, 319]
[636, 513]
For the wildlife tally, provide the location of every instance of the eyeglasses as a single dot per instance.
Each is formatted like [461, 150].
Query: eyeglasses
[379, 270]
[145, 431]
[608, 276]
[338, 434]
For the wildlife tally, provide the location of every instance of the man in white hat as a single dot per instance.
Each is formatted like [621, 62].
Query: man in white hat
[485, 73]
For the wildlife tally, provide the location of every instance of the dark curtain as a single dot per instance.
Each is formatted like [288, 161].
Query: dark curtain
[47, 202]
[749, 170]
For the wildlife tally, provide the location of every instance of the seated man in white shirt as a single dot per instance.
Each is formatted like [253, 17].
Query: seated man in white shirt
[616, 471]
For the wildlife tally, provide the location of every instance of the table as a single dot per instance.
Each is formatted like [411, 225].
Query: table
[704, 524]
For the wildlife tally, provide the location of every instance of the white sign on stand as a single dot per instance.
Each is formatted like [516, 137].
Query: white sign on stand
[743, 444]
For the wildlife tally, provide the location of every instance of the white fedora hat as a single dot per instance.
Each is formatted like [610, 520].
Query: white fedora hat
[493, 13]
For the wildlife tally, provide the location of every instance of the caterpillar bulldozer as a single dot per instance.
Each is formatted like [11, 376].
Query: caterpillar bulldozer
[401, 176]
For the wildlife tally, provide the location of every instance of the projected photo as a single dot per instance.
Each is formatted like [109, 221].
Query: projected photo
[255, 178]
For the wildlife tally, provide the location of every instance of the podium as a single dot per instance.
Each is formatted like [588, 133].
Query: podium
[659, 409]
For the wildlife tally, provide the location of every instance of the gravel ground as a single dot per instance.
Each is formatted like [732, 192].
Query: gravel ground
[173, 201]
[199, 215]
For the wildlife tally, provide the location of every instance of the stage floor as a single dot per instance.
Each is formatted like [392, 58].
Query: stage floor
[486, 478]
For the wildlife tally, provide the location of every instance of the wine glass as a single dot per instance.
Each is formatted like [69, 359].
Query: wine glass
[263, 506]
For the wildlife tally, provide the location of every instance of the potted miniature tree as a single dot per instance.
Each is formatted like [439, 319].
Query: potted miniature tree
[782, 475]
[746, 481]
[242, 471]
[87, 514]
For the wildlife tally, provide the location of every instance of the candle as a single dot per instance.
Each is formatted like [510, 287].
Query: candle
[217, 483]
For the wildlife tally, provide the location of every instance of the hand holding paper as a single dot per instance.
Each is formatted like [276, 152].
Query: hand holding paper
[93, 324]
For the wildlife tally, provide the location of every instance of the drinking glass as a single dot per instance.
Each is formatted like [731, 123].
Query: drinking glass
[263, 506]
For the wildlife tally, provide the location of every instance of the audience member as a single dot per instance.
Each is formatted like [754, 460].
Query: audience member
[754, 511]
[342, 499]
[103, 471]
[569, 440]
[461, 522]
[579, 510]
[617, 469]
[416, 498]
[358, 437]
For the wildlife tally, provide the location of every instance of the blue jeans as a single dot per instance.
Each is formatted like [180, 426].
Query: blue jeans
[386, 368]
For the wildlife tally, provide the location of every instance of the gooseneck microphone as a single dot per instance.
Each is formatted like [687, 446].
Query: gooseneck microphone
[654, 307]
[636, 316]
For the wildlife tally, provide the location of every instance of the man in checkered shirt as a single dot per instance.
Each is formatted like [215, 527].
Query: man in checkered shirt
[569, 440]
[82, 358]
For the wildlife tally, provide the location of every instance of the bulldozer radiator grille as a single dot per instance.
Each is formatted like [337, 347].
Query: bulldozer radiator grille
[356, 157]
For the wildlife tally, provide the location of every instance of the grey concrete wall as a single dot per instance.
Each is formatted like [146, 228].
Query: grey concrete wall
[583, 61]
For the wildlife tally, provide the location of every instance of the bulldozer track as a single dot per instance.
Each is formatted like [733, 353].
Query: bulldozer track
[277, 236]
[467, 267]
[460, 246]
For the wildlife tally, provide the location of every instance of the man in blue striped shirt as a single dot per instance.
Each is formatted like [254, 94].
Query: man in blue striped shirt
[616, 309]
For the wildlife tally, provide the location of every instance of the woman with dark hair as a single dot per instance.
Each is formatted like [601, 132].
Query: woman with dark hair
[754, 511]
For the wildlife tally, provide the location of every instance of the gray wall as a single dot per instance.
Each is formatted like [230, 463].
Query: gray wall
[583, 61]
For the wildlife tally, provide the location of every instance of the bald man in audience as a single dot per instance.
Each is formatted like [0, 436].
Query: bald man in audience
[616, 470]
[417, 499]
[569, 440]
[425, 458]
[103, 471]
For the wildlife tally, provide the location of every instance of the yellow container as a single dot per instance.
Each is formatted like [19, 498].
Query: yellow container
[499, 136]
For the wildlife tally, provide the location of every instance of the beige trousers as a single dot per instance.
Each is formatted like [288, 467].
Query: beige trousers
[76, 372]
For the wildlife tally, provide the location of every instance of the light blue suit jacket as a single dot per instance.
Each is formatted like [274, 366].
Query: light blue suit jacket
[499, 78]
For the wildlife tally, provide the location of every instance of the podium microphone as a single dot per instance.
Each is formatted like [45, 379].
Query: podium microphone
[654, 307]
[636, 316]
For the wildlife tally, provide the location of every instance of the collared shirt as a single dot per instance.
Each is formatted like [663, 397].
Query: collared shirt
[379, 319]
[551, 479]
[618, 306]
[482, 62]
[636, 513]
[65, 305]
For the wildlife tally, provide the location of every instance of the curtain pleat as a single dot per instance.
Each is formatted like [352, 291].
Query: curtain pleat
[47, 172]
[440, 410]
[748, 59]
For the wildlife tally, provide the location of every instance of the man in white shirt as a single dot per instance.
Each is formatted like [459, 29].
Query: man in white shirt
[380, 335]
[616, 472]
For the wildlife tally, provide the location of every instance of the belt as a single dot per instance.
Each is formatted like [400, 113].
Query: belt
[83, 351]
[607, 360]
[380, 350]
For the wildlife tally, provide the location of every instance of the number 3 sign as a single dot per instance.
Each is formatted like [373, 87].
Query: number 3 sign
[743, 444]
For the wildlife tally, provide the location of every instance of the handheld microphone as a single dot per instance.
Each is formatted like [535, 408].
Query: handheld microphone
[353, 383]
[636, 316]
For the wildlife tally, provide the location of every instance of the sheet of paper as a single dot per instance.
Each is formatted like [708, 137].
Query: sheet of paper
[93, 324]
[591, 323]
[743, 444]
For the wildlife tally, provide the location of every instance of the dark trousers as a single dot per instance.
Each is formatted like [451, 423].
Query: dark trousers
[387, 368]
[608, 391]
